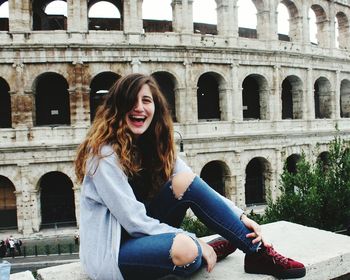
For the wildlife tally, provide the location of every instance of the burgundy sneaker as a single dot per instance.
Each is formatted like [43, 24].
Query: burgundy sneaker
[222, 247]
[268, 261]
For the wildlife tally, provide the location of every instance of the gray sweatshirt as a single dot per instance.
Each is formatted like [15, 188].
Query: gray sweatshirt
[107, 202]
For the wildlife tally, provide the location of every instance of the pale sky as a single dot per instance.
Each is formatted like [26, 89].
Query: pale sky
[203, 11]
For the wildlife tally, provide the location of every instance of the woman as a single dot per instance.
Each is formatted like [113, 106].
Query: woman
[136, 192]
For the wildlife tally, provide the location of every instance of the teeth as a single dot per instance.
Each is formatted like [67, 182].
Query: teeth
[137, 118]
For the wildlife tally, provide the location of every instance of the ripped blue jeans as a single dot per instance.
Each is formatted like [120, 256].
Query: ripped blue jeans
[149, 257]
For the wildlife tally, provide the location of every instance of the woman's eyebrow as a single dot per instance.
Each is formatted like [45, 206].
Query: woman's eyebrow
[148, 96]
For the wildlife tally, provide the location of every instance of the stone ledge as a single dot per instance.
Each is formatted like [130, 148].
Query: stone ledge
[326, 255]
[26, 275]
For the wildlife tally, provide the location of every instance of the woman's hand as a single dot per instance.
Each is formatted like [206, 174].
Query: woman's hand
[255, 227]
[209, 255]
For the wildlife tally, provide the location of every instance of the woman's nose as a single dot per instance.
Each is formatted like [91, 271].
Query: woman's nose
[138, 106]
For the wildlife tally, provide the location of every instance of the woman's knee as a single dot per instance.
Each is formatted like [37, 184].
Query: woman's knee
[184, 250]
[181, 182]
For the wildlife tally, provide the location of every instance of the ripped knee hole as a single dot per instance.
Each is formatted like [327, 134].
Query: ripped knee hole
[184, 250]
[181, 182]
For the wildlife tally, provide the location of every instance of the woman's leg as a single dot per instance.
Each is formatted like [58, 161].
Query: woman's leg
[155, 256]
[187, 190]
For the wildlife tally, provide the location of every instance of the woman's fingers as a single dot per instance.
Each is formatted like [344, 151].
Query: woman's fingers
[256, 235]
[209, 255]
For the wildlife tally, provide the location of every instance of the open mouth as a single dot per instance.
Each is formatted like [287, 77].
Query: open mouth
[139, 119]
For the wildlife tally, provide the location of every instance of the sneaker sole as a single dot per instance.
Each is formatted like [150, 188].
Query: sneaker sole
[287, 274]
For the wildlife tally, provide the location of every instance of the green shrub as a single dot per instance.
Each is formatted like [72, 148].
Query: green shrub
[318, 194]
[192, 224]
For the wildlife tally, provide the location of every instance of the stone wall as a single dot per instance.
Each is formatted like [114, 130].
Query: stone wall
[76, 56]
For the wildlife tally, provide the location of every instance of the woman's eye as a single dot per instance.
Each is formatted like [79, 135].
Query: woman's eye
[147, 100]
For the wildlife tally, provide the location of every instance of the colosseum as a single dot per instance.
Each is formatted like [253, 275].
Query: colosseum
[244, 101]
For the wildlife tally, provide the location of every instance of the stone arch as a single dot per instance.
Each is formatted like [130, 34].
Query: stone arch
[249, 31]
[291, 163]
[323, 159]
[8, 206]
[209, 86]
[112, 22]
[167, 84]
[4, 21]
[162, 23]
[51, 99]
[255, 97]
[322, 97]
[216, 173]
[258, 177]
[44, 21]
[282, 22]
[99, 87]
[345, 98]
[293, 32]
[205, 27]
[343, 30]
[292, 98]
[56, 200]
[321, 24]
[5, 105]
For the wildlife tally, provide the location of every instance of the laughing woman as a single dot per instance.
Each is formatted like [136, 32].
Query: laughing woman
[136, 192]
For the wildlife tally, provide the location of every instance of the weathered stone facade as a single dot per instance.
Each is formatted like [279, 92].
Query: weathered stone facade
[269, 99]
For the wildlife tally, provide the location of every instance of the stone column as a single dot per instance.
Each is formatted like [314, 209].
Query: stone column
[35, 209]
[188, 16]
[336, 97]
[230, 187]
[191, 94]
[237, 108]
[240, 180]
[305, 25]
[180, 104]
[135, 65]
[275, 192]
[344, 36]
[272, 175]
[265, 106]
[225, 14]
[225, 103]
[324, 34]
[330, 109]
[22, 99]
[276, 96]
[266, 26]
[234, 15]
[20, 211]
[77, 192]
[177, 8]
[186, 22]
[25, 214]
[298, 103]
[331, 27]
[20, 16]
[296, 29]
[79, 98]
[27, 203]
[77, 16]
[133, 16]
[309, 96]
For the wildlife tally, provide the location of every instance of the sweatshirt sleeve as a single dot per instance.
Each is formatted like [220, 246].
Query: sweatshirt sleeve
[181, 166]
[115, 192]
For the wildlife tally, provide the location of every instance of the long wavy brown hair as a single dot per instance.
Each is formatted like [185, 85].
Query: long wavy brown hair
[154, 149]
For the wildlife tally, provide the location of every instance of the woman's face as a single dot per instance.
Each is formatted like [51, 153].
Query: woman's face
[140, 116]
